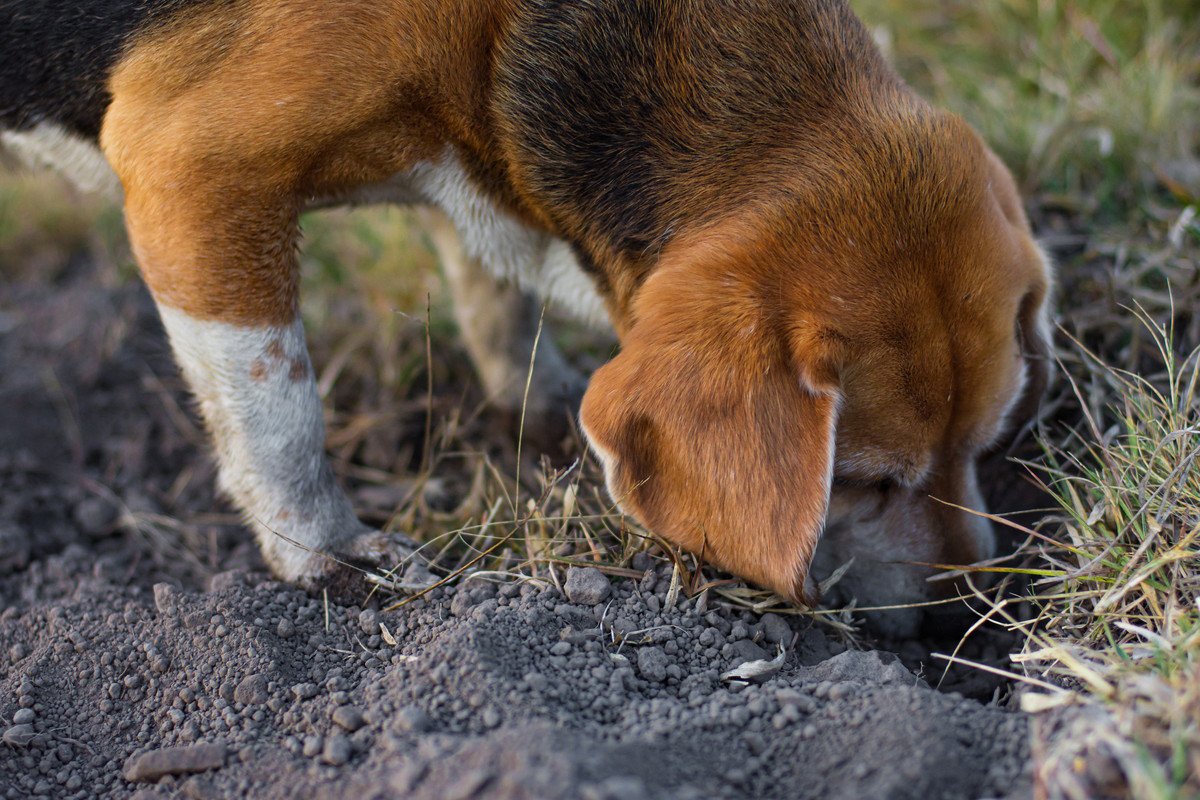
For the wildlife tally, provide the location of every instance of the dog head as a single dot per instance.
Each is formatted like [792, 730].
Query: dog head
[834, 358]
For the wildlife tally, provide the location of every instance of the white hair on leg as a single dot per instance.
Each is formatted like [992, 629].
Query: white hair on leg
[259, 398]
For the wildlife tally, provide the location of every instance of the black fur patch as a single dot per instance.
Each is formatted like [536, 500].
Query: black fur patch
[631, 114]
[56, 55]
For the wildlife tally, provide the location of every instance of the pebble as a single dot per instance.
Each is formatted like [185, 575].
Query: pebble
[348, 717]
[587, 586]
[252, 690]
[413, 719]
[337, 750]
[166, 598]
[174, 761]
[746, 650]
[23, 716]
[776, 629]
[652, 664]
[305, 691]
[368, 621]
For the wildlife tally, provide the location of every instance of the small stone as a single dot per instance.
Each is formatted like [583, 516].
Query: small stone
[587, 586]
[491, 717]
[23, 716]
[313, 745]
[413, 719]
[776, 629]
[174, 761]
[348, 717]
[252, 690]
[18, 735]
[166, 599]
[285, 628]
[652, 664]
[368, 621]
[337, 750]
[305, 691]
[745, 650]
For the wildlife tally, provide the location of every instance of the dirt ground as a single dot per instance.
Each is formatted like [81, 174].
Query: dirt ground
[144, 651]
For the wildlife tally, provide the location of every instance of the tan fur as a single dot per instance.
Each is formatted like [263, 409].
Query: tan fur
[850, 295]
[224, 122]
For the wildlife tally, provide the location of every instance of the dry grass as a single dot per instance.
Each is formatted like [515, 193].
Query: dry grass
[1118, 614]
[1111, 619]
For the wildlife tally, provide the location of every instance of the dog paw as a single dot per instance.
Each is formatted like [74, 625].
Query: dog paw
[391, 560]
[372, 561]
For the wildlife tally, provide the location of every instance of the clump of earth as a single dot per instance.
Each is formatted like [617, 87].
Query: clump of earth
[143, 660]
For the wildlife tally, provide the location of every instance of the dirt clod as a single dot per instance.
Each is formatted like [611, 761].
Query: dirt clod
[174, 761]
[252, 690]
[586, 586]
[337, 750]
[348, 717]
[19, 735]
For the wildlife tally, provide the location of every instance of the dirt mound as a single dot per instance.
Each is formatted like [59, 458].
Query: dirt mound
[508, 692]
[124, 669]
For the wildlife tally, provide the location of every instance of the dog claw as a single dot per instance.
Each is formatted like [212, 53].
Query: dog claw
[376, 559]
[414, 578]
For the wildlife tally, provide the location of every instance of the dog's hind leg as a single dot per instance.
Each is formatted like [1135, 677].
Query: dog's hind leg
[499, 324]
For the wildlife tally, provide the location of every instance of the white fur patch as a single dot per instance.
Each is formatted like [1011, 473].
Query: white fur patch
[508, 249]
[258, 396]
[511, 251]
[49, 145]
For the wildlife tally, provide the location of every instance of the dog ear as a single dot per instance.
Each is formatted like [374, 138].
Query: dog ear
[715, 425]
[1033, 337]
[1033, 314]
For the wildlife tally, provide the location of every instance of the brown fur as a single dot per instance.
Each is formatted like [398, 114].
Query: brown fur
[223, 122]
[821, 279]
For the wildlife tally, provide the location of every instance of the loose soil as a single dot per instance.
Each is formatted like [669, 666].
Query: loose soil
[145, 652]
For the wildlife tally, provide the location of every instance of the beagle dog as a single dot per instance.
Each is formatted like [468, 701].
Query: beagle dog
[827, 294]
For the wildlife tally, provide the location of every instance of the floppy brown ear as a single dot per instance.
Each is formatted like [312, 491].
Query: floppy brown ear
[715, 425]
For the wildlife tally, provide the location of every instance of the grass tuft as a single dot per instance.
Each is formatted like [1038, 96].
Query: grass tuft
[1116, 606]
[1085, 99]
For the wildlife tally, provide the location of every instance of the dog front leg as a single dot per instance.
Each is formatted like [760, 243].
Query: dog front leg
[219, 259]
